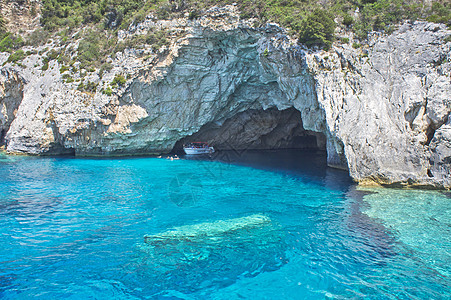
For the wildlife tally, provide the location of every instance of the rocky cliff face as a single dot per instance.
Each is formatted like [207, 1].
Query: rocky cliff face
[382, 111]
[11, 95]
[21, 15]
[390, 105]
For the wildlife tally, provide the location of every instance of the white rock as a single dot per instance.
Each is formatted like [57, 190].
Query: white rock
[385, 114]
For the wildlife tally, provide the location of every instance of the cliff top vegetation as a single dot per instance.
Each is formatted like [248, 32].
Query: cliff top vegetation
[361, 16]
[312, 22]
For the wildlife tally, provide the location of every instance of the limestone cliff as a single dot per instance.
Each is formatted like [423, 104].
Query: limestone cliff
[382, 111]
[389, 104]
[11, 87]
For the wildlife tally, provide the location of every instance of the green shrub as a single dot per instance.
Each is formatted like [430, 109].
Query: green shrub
[120, 47]
[108, 91]
[63, 59]
[64, 69]
[118, 80]
[90, 87]
[318, 29]
[447, 39]
[94, 48]
[163, 11]
[91, 13]
[348, 20]
[356, 45]
[45, 66]
[43, 51]
[113, 14]
[383, 14]
[53, 54]
[89, 49]
[301, 17]
[33, 11]
[56, 14]
[136, 41]
[157, 39]
[16, 56]
[10, 42]
[139, 16]
[440, 13]
[194, 14]
[68, 78]
[344, 40]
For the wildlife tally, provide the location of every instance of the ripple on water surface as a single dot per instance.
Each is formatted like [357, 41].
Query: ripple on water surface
[267, 226]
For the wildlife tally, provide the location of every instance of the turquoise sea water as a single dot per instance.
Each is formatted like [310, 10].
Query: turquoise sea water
[272, 225]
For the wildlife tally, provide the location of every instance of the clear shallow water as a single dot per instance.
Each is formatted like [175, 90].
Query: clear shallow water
[73, 228]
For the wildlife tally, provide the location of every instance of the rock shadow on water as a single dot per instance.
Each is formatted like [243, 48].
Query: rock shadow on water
[305, 164]
[379, 243]
[211, 255]
[31, 207]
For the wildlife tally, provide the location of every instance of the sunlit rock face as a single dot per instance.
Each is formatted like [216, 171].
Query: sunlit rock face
[381, 111]
[216, 76]
[390, 104]
[219, 68]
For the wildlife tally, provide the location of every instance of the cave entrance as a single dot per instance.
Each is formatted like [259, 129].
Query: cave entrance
[258, 129]
[2, 136]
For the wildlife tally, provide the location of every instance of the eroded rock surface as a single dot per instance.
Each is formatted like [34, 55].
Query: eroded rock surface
[381, 111]
[387, 102]
[11, 94]
[21, 15]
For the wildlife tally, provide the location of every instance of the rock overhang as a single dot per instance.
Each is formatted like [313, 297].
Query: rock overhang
[223, 67]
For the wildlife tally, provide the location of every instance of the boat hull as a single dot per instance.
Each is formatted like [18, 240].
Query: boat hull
[197, 151]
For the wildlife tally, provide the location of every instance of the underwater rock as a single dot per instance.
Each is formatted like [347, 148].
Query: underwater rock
[208, 230]
[199, 256]
[409, 214]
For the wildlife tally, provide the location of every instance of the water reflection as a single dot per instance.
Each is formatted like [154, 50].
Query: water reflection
[308, 165]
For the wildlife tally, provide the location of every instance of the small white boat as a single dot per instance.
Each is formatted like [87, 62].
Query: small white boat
[198, 148]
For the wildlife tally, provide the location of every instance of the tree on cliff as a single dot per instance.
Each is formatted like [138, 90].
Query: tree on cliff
[317, 29]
